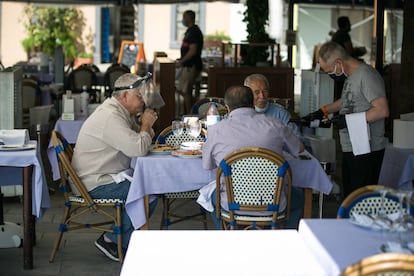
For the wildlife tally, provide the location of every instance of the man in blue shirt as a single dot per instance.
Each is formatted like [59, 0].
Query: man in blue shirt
[259, 84]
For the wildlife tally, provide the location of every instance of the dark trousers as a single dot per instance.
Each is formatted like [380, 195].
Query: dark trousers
[360, 170]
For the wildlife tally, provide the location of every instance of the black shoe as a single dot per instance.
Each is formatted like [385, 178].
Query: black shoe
[110, 249]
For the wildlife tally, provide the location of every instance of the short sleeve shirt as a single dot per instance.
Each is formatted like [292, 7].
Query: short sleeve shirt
[193, 35]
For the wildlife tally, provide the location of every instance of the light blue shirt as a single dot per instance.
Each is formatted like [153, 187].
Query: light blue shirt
[279, 112]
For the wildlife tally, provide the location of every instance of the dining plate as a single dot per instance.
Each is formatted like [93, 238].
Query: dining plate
[17, 147]
[187, 153]
[162, 149]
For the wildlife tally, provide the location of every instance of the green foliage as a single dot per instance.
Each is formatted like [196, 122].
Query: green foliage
[217, 36]
[256, 17]
[48, 27]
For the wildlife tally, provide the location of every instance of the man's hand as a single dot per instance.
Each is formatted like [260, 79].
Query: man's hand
[339, 121]
[317, 115]
[148, 119]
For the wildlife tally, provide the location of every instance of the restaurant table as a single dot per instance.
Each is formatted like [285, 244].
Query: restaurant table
[159, 174]
[70, 130]
[279, 252]
[35, 192]
[337, 243]
[397, 168]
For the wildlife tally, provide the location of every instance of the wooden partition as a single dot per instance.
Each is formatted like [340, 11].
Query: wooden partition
[164, 79]
[280, 79]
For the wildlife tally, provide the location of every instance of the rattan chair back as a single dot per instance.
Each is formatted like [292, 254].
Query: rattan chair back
[166, 136]
[367, 200]
[254, 179]
[77, 208]
[112, 74]
[382, 264]
[84, 75]
[201, 106]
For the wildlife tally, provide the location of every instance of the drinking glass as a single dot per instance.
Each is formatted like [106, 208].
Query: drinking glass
[383, 192]
[408, 216]
[177, 127]
[194, 127]
[400, 223]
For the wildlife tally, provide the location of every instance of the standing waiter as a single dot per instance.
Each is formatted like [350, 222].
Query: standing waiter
[190, 60]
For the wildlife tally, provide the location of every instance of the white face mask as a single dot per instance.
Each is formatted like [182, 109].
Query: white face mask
[261, 110]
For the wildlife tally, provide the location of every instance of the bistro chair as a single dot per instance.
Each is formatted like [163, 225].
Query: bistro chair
[254, 180]
[382, 264]
[173, 201]
[367, 200]
[112, 74]
[82, 212]
[84, 75]
[201, 106]
[30, 98]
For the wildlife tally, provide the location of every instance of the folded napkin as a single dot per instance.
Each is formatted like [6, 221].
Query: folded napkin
[358, 132]
[15, 137]
[119, 177]
[399, 248]
[204, 198]
[191, 145]
[390, 222]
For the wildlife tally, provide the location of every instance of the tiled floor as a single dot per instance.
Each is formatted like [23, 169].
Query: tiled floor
[78, 255]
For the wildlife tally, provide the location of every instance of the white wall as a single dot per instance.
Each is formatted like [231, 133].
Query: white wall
[12, 33]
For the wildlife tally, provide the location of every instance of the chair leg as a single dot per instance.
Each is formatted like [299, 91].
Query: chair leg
[59, 235]
[119, 227]
[55, 246]
[203, 212]
[165, 219]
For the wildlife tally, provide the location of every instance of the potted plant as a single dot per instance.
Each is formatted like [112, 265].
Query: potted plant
[212, 42]
[48, 27]
[256, 17]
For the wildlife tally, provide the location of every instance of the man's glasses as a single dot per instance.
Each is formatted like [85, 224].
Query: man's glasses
[136, 84]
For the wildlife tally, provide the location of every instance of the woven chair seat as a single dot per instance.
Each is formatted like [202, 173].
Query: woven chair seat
[225, 214]
[183, 195]
[80, 199]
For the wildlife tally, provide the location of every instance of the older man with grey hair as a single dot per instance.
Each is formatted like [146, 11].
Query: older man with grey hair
[260, 86]
[107, 141]
[364, 93]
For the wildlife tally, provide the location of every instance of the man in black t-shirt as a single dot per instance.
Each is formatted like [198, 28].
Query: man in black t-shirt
[190, 61]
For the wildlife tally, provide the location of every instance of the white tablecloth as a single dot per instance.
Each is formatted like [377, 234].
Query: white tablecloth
[397, 168]
[70, 130]
[158, 174]
[24, 158]
[337, 243]
[280, 252]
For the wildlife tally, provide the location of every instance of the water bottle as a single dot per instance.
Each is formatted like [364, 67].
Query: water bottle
[213, 116]
[84, 101]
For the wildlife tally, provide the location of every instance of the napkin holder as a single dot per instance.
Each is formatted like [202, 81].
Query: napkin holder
[68, 107]
[18, 137]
